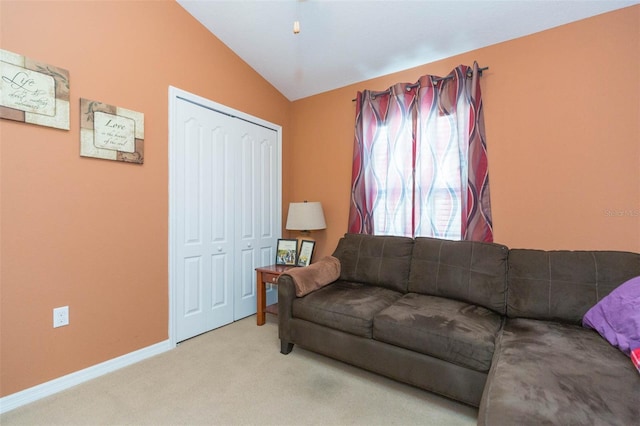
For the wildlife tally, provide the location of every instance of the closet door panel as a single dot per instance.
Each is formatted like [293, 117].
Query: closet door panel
[203, 221]
[258, 195]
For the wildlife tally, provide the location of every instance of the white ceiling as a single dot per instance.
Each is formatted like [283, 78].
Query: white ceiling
[344, 42]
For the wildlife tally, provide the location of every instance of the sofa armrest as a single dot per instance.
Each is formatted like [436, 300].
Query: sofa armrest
[286, 296]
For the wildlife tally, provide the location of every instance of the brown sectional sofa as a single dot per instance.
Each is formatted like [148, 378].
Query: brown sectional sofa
[491, 327]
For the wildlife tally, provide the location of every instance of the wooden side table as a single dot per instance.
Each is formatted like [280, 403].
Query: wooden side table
[267, 275]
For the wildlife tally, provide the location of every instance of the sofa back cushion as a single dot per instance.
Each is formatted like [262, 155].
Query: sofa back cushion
[563, 285]
[470, 271]
[375, 259]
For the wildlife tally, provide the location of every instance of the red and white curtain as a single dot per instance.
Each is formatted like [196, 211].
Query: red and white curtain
[420, 160]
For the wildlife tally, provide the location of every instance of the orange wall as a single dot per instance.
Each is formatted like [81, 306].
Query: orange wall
[562, 114]
[88, 233]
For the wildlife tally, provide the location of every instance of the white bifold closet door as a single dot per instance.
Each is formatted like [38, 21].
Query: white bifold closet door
[226, 194]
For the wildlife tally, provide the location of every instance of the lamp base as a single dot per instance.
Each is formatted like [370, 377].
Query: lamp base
[304, 236]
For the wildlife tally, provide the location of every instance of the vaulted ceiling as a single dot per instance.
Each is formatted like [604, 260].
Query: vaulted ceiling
[344, 42]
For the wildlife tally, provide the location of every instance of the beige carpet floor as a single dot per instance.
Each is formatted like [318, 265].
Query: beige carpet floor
[235, 375]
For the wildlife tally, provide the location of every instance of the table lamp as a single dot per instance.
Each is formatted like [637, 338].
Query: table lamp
[305, 217]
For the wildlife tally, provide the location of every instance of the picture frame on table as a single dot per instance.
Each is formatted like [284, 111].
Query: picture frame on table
[306, 252]
[286, 252]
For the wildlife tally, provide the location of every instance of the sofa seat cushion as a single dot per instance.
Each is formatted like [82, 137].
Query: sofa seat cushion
[554, 373]
[453, 331]
[345, 306]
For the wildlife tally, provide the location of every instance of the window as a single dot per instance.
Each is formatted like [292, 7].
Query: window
[420, 165]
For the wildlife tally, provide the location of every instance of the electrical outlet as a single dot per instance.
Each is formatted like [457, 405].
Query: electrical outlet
[60, 316]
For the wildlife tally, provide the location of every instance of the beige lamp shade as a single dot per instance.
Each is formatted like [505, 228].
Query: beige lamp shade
[306, 216]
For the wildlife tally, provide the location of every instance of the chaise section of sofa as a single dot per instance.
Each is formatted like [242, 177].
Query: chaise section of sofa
[555, 373]
[547, 368]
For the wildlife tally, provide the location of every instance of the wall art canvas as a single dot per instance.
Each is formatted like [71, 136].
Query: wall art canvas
[33, 92]
[110, 132]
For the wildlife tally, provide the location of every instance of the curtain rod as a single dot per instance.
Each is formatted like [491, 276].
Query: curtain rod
[411, 86]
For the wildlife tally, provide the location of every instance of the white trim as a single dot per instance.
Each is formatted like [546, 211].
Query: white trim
[174, 95]
[43, 390]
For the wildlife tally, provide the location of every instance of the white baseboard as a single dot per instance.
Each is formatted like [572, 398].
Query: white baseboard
[35, 393]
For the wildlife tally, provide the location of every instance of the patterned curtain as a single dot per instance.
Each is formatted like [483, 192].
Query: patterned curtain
[420, 160]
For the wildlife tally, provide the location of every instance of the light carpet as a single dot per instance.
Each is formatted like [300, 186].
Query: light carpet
[235, 375]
